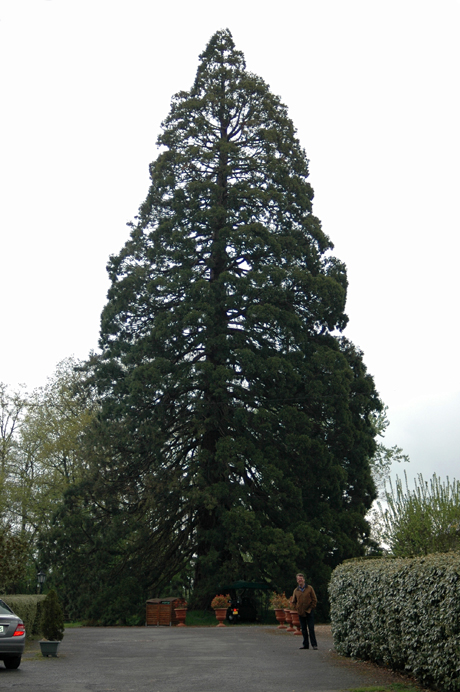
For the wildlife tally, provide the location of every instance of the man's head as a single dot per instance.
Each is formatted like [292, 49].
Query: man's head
[300, 579]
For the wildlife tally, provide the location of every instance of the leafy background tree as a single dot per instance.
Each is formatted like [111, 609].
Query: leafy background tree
[384, 457]
[42, 457]
[12, 409]
[50, 445]
[235, 428]
[422, 520]
[13, 545]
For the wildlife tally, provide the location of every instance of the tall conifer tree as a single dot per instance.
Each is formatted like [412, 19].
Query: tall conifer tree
[235, 415]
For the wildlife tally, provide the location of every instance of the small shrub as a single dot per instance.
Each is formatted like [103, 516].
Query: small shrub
[279, 601]
[52, 625]
[220, 601]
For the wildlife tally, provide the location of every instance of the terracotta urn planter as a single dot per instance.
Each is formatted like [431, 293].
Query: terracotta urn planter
[221, 614]
[181, 614]
[288, 616]
[296, 622]
[220, 606]
[281, 617]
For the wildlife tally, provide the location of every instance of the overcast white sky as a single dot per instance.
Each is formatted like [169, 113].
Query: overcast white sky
[373, 89]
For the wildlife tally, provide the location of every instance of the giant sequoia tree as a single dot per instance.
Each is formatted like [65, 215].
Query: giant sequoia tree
[235, 417]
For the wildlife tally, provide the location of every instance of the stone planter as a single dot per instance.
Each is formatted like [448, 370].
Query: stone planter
[49, 648]
[296, 622]
[181, 614]
[281, 617]
[288, 616]
[221, 614]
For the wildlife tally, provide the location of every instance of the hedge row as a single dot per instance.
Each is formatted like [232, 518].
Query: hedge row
[28, 607]
[403, 613]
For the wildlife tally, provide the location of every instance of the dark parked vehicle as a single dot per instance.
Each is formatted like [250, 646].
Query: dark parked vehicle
[242, 609]
[12, 637]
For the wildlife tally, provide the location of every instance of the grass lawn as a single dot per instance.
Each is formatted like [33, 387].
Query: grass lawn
[197, 618]
[393, 687]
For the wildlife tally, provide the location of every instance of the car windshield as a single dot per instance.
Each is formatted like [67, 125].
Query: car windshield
[4, 609]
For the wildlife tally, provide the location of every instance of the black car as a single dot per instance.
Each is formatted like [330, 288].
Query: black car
[12, 637]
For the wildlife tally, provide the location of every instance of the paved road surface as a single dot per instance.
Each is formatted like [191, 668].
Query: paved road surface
[189, 659]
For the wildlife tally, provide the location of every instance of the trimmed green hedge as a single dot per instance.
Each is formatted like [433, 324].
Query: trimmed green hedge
[403, 613]
[29, 609]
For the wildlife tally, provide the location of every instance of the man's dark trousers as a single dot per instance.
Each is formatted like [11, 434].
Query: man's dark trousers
[308, 621]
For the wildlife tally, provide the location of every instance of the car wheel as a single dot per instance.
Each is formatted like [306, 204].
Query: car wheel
[12, 662]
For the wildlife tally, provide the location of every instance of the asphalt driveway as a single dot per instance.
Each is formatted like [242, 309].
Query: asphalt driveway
[189, 659]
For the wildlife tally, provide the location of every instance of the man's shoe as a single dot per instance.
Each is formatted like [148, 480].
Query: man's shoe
[304, 647]
[315, 648]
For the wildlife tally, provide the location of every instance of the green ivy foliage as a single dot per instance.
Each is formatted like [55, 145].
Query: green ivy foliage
[401, 612]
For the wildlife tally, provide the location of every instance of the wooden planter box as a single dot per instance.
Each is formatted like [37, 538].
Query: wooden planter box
[160, 611]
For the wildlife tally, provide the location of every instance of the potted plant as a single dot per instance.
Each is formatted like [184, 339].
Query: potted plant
[288, 616]
[52, 624]
[220, 605]
[295, 622]
[181, 611]
[278, 603]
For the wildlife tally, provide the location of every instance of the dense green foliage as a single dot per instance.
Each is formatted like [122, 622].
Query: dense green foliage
[28, 608]
[87, 550]
[52, 622]
[14, 552]
[227, 429]
[402, 613]
[423, 520]
[235, 432]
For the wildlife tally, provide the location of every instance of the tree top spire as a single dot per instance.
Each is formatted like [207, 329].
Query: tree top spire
[219, 56]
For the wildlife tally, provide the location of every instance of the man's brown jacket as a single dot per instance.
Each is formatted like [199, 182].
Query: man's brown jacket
[304, 601]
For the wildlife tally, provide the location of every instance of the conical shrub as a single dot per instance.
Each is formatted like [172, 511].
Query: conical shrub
[52, 624]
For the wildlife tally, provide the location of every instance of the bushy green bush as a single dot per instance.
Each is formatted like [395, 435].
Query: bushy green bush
[401, 612]
[52, 624]
[29, 609]
[422, 520]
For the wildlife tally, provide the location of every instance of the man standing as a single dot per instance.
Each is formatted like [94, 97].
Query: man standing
[304, 601]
